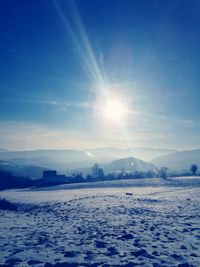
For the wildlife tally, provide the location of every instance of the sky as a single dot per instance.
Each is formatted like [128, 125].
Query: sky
[64, 62]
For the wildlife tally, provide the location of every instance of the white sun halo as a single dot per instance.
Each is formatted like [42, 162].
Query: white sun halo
[114, 109]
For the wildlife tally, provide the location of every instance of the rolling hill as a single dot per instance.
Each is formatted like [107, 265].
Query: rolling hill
[179, 161]
[130, 164]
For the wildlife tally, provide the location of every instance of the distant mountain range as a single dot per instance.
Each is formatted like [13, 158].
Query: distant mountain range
[180, 160]
[126, 164]
[146, 154]
[70, 159]
[53, 159]
[32, 163]
[63, 160]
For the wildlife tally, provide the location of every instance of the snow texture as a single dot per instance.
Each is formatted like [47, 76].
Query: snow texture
[146, 222]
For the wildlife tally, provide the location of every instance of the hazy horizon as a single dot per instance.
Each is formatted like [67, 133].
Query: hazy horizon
[97, 148]
[91, 148]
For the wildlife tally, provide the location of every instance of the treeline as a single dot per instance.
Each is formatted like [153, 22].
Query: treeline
[100, 176]
[8, 181]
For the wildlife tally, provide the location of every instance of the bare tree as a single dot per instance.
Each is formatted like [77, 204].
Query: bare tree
[95, 169]
[194, 168]
[97, 172]
[101, 174]
[163, 172]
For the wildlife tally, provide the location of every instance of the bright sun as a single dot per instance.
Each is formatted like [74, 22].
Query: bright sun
[114, 109]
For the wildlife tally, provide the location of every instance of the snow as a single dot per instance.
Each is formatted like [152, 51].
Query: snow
[156, 224]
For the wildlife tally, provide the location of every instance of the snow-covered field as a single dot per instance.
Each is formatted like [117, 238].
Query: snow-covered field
[156, 224]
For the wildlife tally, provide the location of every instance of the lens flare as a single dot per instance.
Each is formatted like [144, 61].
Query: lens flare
[114, 110]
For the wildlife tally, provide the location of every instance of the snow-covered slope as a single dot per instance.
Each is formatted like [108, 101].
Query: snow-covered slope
[179, 161]
[138, 225]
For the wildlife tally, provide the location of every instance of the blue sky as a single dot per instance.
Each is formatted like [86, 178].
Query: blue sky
[58, 58]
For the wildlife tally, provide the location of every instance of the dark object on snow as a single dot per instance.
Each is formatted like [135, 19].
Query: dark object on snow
[129, 194]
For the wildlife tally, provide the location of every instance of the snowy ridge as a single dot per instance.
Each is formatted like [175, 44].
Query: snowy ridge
[179, 161]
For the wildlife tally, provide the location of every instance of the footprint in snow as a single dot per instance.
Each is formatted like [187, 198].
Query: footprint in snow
[143, 253]
[100, 244]
[71, 254]
[127, 236]
[61, 264]
[112, 251]
[12, 261]
[177, 257]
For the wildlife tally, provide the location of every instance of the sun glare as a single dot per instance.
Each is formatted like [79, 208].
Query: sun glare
[114, 109]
